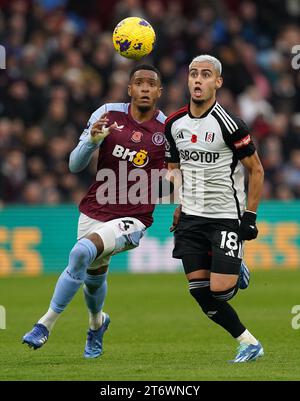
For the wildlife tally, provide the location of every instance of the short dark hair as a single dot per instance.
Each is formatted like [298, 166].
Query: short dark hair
[148, 67]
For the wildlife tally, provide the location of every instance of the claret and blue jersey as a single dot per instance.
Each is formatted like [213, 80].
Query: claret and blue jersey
[132, 146]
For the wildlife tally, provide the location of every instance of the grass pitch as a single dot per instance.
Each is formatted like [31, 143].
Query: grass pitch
[157, 331]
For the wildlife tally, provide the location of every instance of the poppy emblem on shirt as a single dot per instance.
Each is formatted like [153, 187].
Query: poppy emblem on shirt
[136, 136]
[194, 138]
[209, 137]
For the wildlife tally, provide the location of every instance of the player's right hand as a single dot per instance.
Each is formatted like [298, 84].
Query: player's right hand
[99, 130]
[176, 217]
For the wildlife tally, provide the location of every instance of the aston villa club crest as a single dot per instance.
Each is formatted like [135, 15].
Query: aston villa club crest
[158, 138]
[209, 137]
[136, 136]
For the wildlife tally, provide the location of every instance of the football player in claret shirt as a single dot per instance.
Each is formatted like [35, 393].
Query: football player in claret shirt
[212, 147]
[114, 216]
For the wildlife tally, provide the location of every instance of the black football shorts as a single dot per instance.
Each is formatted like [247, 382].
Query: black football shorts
[206, 243]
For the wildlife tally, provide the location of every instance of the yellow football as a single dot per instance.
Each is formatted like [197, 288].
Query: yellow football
[133, 38]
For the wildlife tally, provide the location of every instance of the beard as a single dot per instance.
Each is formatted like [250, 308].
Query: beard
[144, 109]
[198, 101]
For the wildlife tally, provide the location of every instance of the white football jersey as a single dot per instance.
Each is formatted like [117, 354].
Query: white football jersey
[209, 149]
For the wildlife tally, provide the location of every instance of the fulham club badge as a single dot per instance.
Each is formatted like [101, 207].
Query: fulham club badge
[209, 137]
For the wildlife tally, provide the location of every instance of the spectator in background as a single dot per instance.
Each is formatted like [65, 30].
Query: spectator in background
[61, 66]
[292, 173]
[12, 176]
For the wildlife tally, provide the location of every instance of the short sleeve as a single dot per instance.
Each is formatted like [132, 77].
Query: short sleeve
[172, 154]
[240, 140]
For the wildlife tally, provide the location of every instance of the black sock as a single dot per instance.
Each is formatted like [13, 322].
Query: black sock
[219, 311]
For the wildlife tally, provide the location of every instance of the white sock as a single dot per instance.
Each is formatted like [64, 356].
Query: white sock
[49, 319]
[95, 320]
[247, 338]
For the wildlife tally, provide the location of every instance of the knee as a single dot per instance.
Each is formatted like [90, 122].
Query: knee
[225, 295]
[82, 254]
[224, 287]
[97, 241]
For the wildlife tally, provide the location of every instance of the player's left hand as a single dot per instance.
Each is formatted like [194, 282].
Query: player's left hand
[176, 216]
[248, 229]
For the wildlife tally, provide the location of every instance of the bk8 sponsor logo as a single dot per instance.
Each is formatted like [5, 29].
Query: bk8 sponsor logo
[137, 158]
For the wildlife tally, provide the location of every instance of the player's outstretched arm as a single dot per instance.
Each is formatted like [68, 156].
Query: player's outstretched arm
[82, 154]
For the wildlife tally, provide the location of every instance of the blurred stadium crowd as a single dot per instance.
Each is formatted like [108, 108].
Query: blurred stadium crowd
[61, 66]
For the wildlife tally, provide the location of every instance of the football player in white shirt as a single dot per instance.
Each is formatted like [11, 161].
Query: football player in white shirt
[212, 147]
